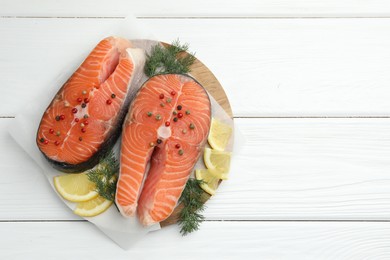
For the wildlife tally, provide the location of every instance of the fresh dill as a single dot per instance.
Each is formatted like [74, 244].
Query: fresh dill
[105, 176]
[171, 59]
[192, 198]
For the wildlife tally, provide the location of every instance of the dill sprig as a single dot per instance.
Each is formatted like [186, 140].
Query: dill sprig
[171, 59]
[193, 202]
[105, 176]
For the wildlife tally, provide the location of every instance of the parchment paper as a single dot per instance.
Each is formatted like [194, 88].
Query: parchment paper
[125, 232]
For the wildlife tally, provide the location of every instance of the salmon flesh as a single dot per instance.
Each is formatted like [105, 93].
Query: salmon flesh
[85, 118]
[163, 136]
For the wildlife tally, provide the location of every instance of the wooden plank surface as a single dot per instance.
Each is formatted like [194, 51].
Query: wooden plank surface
[330, 170]
[200, 8]
[288, 169]
[232, 240]
[288, 67]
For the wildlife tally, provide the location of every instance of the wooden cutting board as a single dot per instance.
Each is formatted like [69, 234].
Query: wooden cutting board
[207, 79]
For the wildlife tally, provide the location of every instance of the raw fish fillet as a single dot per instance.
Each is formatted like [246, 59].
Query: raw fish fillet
[85, 117]
[167, 125]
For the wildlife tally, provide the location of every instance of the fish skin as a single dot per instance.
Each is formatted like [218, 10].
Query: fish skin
[112, 65]
[155, 199]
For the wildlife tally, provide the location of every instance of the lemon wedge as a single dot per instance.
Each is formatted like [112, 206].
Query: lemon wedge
[217, 162]
[92, 207]
[75, 187]
[210, 182]
[219, 135]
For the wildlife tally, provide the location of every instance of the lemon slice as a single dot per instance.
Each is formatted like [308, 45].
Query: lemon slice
[219, 134]
[92, 207]
[75, 187]
[217, 162]
[210, 182]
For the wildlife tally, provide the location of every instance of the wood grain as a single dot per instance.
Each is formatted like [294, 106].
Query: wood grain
[199, 8]
[232, 240]
[288, 67]
[207, 79]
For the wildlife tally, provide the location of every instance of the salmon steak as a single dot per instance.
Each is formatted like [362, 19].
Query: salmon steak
[163, 137]
[85, 117]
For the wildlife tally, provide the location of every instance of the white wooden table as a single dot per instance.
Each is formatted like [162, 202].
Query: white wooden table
[309, 84]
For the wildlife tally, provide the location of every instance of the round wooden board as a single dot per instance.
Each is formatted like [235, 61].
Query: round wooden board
[207, 79]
